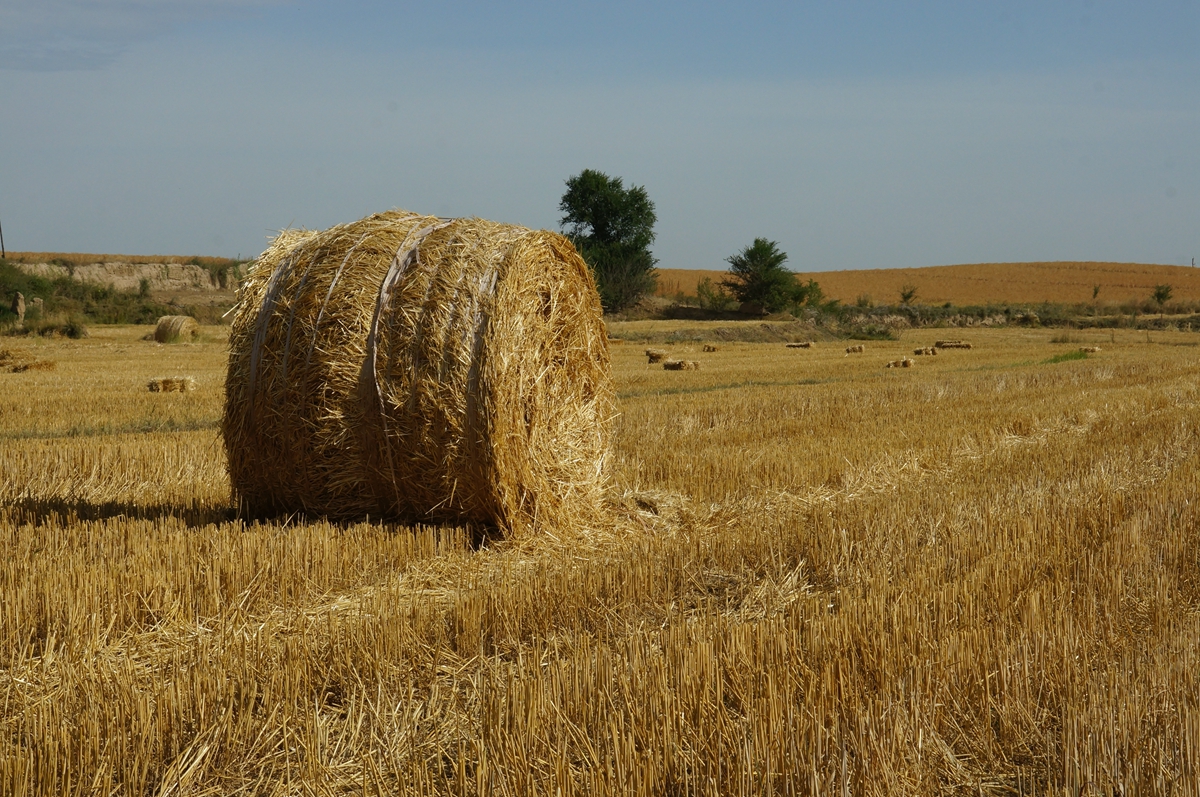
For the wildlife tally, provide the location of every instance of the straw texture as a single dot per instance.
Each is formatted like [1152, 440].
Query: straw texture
[176, 328]
[420, 368]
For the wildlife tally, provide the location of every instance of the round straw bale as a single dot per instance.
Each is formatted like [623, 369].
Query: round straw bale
[424, 369]
[176, 328]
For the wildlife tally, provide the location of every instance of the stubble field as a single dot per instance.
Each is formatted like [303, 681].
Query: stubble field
[978, 575]
[983, 283]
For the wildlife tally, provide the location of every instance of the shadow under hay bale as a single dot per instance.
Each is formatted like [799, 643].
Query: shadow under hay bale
[422, 369]
[176, 329]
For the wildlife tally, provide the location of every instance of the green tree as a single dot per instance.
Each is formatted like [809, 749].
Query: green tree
[908, 292]
[612, 227]
[713, 297]
[756, 274]
[1162, 294]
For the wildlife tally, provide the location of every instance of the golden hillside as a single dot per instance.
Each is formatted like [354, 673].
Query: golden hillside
[980, 283]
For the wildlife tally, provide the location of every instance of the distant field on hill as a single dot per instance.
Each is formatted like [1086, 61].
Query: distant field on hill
[980, 283]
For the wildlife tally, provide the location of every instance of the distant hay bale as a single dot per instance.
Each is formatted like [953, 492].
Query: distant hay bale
[616, 341]
[681, 365]
[708, 347]
[172, 384]
[421, 369]
[858, 349]
[36, 365]
[655, 356]
[808, 344]
[1089, 349]
[176, 328]
[927, 350]
[952, 344]
[904, 363]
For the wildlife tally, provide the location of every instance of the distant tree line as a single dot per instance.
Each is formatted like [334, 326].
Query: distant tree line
[613, 227]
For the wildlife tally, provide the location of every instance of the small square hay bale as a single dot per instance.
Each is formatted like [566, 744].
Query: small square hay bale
[927, 350]
[858, 349]
[708, 347]
[808, 344]
[1089, 349]
[655, 355]
[681, 365]
[171, 384]
[36, 365]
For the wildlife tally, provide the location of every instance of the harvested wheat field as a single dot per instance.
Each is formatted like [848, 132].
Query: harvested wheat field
[982, 283]
[817, 577]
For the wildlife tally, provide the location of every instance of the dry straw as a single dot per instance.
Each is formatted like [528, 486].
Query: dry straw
[423, 369]
[171, 384]
[176, 329]
[655, 356]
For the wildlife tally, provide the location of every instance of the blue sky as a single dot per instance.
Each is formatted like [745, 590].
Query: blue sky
[856, 134]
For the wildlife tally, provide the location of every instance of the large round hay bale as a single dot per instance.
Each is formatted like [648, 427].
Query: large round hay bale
[423, 369]
[176, 328]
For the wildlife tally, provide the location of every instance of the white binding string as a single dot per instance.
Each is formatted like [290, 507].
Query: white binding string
[264, 313]
[406, 255]
[333, 283]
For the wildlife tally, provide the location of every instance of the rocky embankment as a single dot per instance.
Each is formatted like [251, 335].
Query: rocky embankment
[162, 278]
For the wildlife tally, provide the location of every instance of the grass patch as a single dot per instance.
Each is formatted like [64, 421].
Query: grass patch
[676, 391]
[1065, 356]
[143, 426]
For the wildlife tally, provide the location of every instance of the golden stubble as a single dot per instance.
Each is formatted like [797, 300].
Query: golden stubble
[821, 576]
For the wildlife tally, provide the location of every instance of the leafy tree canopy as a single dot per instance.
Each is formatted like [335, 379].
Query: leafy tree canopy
[612, 227]
[756, 274]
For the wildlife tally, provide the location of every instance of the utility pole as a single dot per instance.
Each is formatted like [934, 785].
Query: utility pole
[5, 254]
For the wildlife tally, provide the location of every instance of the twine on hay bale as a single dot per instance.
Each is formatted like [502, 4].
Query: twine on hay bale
[176, 328]
[422, 369]
[655, 356]
[171, 384]
[681, 365]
